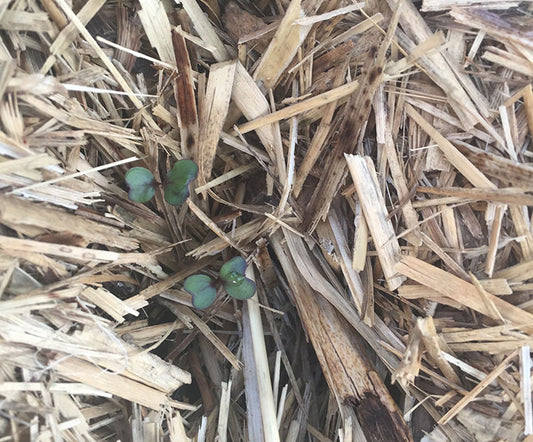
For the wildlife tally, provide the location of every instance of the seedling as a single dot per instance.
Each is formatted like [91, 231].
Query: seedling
[142, 183]
[204, 288]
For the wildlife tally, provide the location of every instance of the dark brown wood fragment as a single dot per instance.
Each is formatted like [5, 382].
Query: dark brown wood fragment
[185, 97]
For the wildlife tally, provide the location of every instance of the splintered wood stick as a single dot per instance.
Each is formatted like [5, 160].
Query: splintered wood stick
[518, 174]
[185, 98]
[407, 370]
[463, 292]
[283, 47]
[384, 138]
[441, 5]
[357, 387]
[245, 93]
[456, 158]
[252, 103]
[354, 120]
[205, 29]
[504, 195]
[176, 429]
[300, 107]
[471, 173]
[517, 273]
[157, 27]
[253, 399]
[105, 60]
[105, 349]
[434, 63]
[68, 33]
[186, 312]
[341, 246]
[225, 398]
[478, 389]
[113, 306]
[86, 372]
[376, 215]
[262, 370]
[432, 343]
[519, 214]
[528, 100]
[360, 241]
[525, 384]
[213, 115]
[18, 211]
[495, 225]
[8, 244]
[209, 223]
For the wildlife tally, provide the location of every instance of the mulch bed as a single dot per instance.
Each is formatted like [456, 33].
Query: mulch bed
[372, 163]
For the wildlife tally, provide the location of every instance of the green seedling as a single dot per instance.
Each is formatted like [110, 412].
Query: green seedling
[142, 183]
[178, 179]
[235, 283]
[203, 288]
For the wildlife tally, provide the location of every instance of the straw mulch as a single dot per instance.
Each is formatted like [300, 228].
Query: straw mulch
[371, 161]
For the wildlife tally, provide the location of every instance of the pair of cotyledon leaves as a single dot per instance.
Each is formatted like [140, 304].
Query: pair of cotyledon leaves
[142, 183]
[203, 289]
[142, 189]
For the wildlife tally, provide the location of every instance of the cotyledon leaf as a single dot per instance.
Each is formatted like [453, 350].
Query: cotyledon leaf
[178, 179]
[235, 266]
[242, 289]
[141, 183]
[202, 289]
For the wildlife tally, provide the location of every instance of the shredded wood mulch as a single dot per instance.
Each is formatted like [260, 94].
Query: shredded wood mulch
[373, 164]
